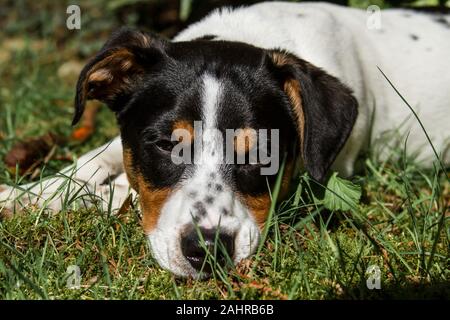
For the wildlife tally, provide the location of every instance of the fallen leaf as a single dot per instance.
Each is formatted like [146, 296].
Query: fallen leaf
[28, 154]
[126, 205]
[341, 194]
[87, 127]
[47, 158]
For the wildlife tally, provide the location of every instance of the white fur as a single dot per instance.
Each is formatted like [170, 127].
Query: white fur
[333, 38]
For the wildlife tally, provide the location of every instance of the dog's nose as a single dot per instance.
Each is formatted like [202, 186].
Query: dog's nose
[195, 250]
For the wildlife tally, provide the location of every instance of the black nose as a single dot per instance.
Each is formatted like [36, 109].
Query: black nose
[215, 242]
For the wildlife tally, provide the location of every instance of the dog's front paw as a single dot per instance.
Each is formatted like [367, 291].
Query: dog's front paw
[57, 193]
[16, 198]
[6, 205]
[12, 200]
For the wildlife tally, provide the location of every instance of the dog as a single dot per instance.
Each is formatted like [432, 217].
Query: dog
[309, 70]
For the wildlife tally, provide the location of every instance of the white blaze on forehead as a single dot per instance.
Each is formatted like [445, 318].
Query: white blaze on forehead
[210, 155]
[211, 150]
[210, 99]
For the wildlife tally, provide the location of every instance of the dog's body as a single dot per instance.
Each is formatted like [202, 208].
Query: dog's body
[412, 49]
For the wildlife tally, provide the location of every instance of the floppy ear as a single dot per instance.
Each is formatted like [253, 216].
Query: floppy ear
[324, 110]
[111, 75]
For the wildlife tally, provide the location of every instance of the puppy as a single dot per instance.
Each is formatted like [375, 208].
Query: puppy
[307, 72]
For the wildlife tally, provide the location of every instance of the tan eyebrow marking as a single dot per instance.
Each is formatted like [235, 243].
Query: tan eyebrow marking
[184, 125]
[244, 140]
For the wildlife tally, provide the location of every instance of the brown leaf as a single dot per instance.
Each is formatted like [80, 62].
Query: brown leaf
[30, 153]
[126, 205]
[87, 127]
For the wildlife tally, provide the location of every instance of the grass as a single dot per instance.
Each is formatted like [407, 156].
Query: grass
[400, 225]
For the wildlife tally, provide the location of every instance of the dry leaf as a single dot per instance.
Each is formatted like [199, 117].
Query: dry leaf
[87, 127]
[28, 154]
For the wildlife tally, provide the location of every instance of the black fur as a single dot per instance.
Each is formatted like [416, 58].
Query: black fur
[330, 111]
[207, 37]
[122, 38]
[169, 89]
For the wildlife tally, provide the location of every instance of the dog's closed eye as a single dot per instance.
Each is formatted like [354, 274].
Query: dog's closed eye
[165, 146]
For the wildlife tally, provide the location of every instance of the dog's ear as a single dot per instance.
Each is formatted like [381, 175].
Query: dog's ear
[323, 108]
[111, 75]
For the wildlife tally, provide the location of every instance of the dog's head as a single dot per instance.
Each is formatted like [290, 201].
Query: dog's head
[211, 103]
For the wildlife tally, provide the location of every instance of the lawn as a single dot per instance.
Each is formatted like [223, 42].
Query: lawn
[400, 225]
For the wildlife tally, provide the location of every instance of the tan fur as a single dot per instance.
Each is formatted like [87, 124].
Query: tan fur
[127, 64]
[292, 89]
[101, 75]
[259, 206]
[152, 201]
[184, 125]
[129, 168]
[280, 59]
[244, 141]
[144, 40]
[114, 72]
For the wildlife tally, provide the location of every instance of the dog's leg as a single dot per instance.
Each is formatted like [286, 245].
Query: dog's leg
[113, 194]
[91, 181]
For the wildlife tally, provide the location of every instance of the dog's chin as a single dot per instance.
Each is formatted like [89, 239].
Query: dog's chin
[166, 250]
